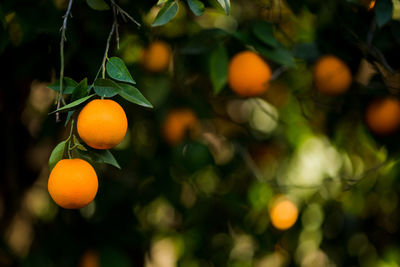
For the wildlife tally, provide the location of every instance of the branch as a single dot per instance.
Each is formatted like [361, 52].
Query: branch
[370, 49]
[278, 72]
[63, 39]
[352, 181]
[114, 29]
[116, 24]
[123, 13]
[103, 64]
[347, 182]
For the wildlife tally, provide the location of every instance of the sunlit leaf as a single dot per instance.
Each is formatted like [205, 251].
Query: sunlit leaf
[226, 5]
[160, 2]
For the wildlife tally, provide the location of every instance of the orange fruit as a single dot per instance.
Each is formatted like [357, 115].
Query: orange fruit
[383, 116]
[72, 183]
[89, 259]
[156, 56]
[177, 123]
[283, 213]
[102, 124]
[331, 75]
[248, 74]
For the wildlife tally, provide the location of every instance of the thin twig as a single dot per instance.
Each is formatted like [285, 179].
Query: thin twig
[114, 29]
[250, 162]
[103, 64]
[63, 39]
[252, 166]
[69, 138]
[278, 72]
[372, 50]
[274, 117]
[116, 25]
[350, 181]
[123, 13]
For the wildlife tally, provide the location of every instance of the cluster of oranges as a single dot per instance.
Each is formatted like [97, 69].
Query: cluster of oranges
[249, 75]
[102, 124]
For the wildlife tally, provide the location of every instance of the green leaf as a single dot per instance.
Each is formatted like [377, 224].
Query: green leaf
[78, 144]
[80, 90]
[75, 139]
[98, 4]
[106, 87]
[68, 86]
[203, 41]
[117, 70]
[383, 11]
[242, 37]
[72, 104]
[226, 5]
[279, 54]
[99, 156]
[81, 147]
[264, 31]
[196, 6]
[57, 154]
[167, 12]
[133, 95]
[69, 116]
[218, 66]
[306, 51]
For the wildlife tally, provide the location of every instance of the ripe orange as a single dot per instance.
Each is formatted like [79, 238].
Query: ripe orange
[248, 74]
[331, 75]
[177, 123]
[283, 213]
[102, 124]
[156, 56]
[72, 183]
[383, 116]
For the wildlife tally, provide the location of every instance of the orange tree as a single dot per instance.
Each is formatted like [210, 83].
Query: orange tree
[236, 133]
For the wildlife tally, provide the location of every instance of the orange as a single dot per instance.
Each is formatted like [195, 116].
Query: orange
[72, 183]
[283, 213]
[102, 124]
[331, 75]
[383, 116]
[156, 56]
[89, 259]
[177, 123]
[248, 74]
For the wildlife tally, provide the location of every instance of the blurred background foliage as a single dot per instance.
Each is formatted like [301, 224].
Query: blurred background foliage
[205, 200]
